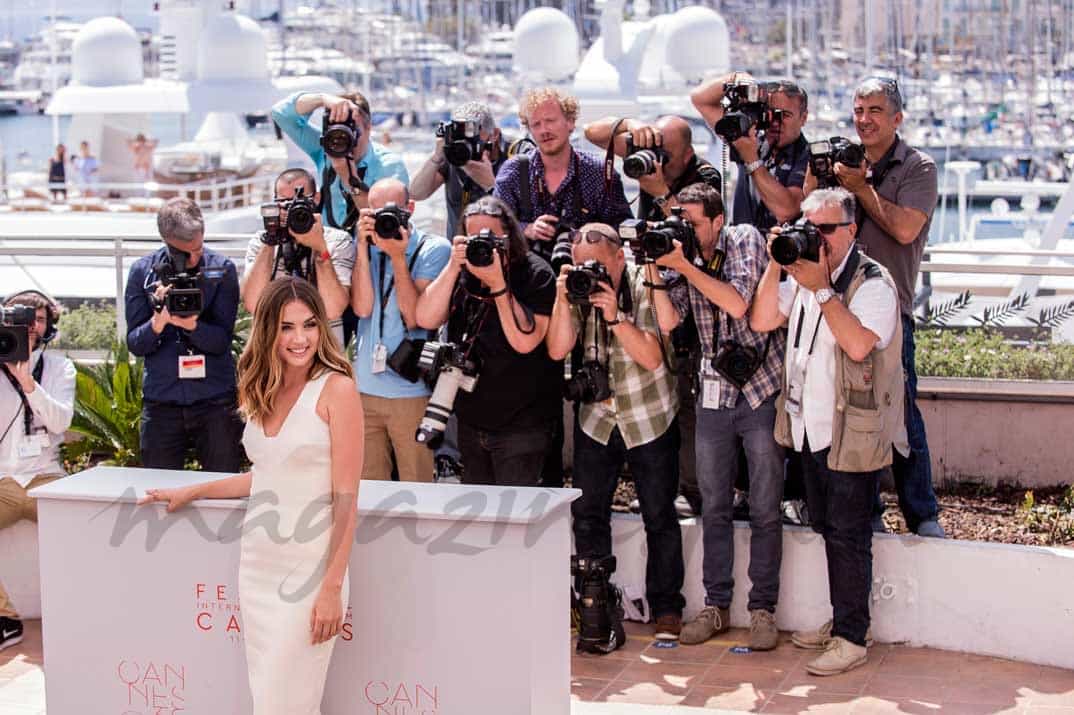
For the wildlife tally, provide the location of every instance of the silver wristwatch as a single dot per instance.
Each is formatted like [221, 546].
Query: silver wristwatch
[754, 166]
[824, 295]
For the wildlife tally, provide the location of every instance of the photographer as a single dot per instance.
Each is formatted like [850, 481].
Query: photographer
[773, 169]
[896, 189]
[555, 188]
[628, 402]
[394, 266]
[36, 405]
[670, 142]
[841, 400]
[496, 298]
[737, 383]
[320, 254]
[189, 385]
[474, 140]
[351, 162]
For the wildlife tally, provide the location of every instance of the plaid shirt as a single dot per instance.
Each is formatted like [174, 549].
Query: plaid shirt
[644, 402]
[744, 263]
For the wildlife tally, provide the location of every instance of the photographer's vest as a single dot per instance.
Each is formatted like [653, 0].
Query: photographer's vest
[869, 416]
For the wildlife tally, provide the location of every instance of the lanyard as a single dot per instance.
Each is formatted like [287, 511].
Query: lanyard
[385, 290]
[799, 366]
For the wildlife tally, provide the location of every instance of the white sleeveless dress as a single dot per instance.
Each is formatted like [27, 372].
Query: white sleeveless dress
[280, 573]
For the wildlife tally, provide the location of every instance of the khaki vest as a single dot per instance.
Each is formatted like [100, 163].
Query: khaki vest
[869, 417]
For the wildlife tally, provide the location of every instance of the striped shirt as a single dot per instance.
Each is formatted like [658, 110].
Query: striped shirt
[746, 257]
[643, 402]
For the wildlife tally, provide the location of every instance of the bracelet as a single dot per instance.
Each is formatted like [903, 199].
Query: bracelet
[497, 294]
[655, 286]
[324, 256]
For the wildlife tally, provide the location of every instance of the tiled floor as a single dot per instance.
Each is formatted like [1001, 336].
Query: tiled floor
[896, 679]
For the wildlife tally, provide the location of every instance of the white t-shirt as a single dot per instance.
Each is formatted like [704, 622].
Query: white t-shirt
[53, 405]
[875, 305]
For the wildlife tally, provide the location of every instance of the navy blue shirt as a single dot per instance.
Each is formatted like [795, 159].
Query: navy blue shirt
[211, 338]
[787, 165]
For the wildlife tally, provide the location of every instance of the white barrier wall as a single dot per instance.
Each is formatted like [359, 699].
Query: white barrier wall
[141, 610]
[992, 599]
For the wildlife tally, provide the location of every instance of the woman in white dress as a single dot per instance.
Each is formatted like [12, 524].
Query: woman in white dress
[303, 411]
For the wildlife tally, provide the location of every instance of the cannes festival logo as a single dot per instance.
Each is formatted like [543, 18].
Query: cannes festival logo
[402, 698]
[216, 610]
[152, 688]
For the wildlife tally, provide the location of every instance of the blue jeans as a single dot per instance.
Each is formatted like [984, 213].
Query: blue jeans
[839, 510]
[717, 439]
[913, 474]
[655, 468]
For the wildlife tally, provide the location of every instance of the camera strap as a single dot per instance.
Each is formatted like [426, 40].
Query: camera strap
[27, 411]
[387, 283]
[328, 179]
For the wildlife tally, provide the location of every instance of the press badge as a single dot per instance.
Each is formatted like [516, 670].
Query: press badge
[793, 403]
[380, 358]
[191, 367]
[710, 393]
[32, 446]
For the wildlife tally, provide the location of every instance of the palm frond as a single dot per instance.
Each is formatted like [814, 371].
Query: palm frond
[1053, 316]
[939, 315]
[999, 314]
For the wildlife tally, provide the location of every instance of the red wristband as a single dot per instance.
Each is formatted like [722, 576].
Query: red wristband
[324, 256]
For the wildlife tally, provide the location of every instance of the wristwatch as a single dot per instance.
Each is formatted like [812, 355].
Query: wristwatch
[619, 318]
[662, 201]
[754, 166]
[824, 295]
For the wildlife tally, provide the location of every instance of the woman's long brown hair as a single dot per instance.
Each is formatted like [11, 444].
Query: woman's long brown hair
[260, 366]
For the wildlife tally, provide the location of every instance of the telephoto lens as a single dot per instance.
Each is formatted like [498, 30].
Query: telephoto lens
[802, 240]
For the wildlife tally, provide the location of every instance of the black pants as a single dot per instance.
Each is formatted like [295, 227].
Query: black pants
[840, 508]
[212, 426]
[655, 468]
[510, 457]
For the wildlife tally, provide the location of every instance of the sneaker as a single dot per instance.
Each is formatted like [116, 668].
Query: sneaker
[795, 512]
[10, 632]
[668, 627]
[634, 506]
[839, 656]
[684, 508]
[818, 639]
[709, 622]
[740, 508]
[931, 528]
[448, 471]
[763, 633]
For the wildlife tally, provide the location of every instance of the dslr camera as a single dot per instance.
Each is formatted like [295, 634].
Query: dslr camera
[480, 248]
[286, 217]
[186, 297]
[339, 138]
[597, 605]
[588, 383]
[561, 245]
[448, 366]
[647, 243]
[15, 322]
[801, 240]
[745, 106]
[462, 141]
[389, 219]
[825, 154]
[584, 280]
[737, 363]
[642, 162]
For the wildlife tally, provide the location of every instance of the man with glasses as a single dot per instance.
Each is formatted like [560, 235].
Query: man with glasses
[627, 410]
[896, 190]
[737, 383]
[840, 407]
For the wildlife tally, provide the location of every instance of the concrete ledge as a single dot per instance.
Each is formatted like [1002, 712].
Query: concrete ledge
[970, 596]
[994, 390]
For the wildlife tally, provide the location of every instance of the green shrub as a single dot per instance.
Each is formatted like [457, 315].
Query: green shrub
[90, 326]
[108, 408]
[984, 353]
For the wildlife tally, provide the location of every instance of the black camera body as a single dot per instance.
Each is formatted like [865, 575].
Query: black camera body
[584, 280]
[561, 245]
[598, 604]
[801, 240]
[825, 154]
[15, 322]
[480, 248]
[389, 219]
[339, 138]
[286, 217]
[647, 243]
[588, 383]
[448, 368]
[745, 106]
[186, 297]
[737, 363]
[642, 162]
[462, 141]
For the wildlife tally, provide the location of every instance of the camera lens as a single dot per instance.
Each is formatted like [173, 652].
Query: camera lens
[457, 153]
[580, 285]
[300, 218]
[339, 140]
[479, 252]
[640, 163]
[656, 243]
[386, 224]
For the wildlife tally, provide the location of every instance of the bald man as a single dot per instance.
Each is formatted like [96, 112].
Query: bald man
[683, 167]
[390, 273]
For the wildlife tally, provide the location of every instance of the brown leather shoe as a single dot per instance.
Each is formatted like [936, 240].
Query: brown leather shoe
[709, 622]
[763, 633]
[668, 627]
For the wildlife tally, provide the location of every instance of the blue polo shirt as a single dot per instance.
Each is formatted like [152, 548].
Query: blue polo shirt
[434, 256]
[378, 162]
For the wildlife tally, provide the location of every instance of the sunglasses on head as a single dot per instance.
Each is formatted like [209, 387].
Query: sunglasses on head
[594, 236]
[890, 84]
[829, 228]
[493, 211]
